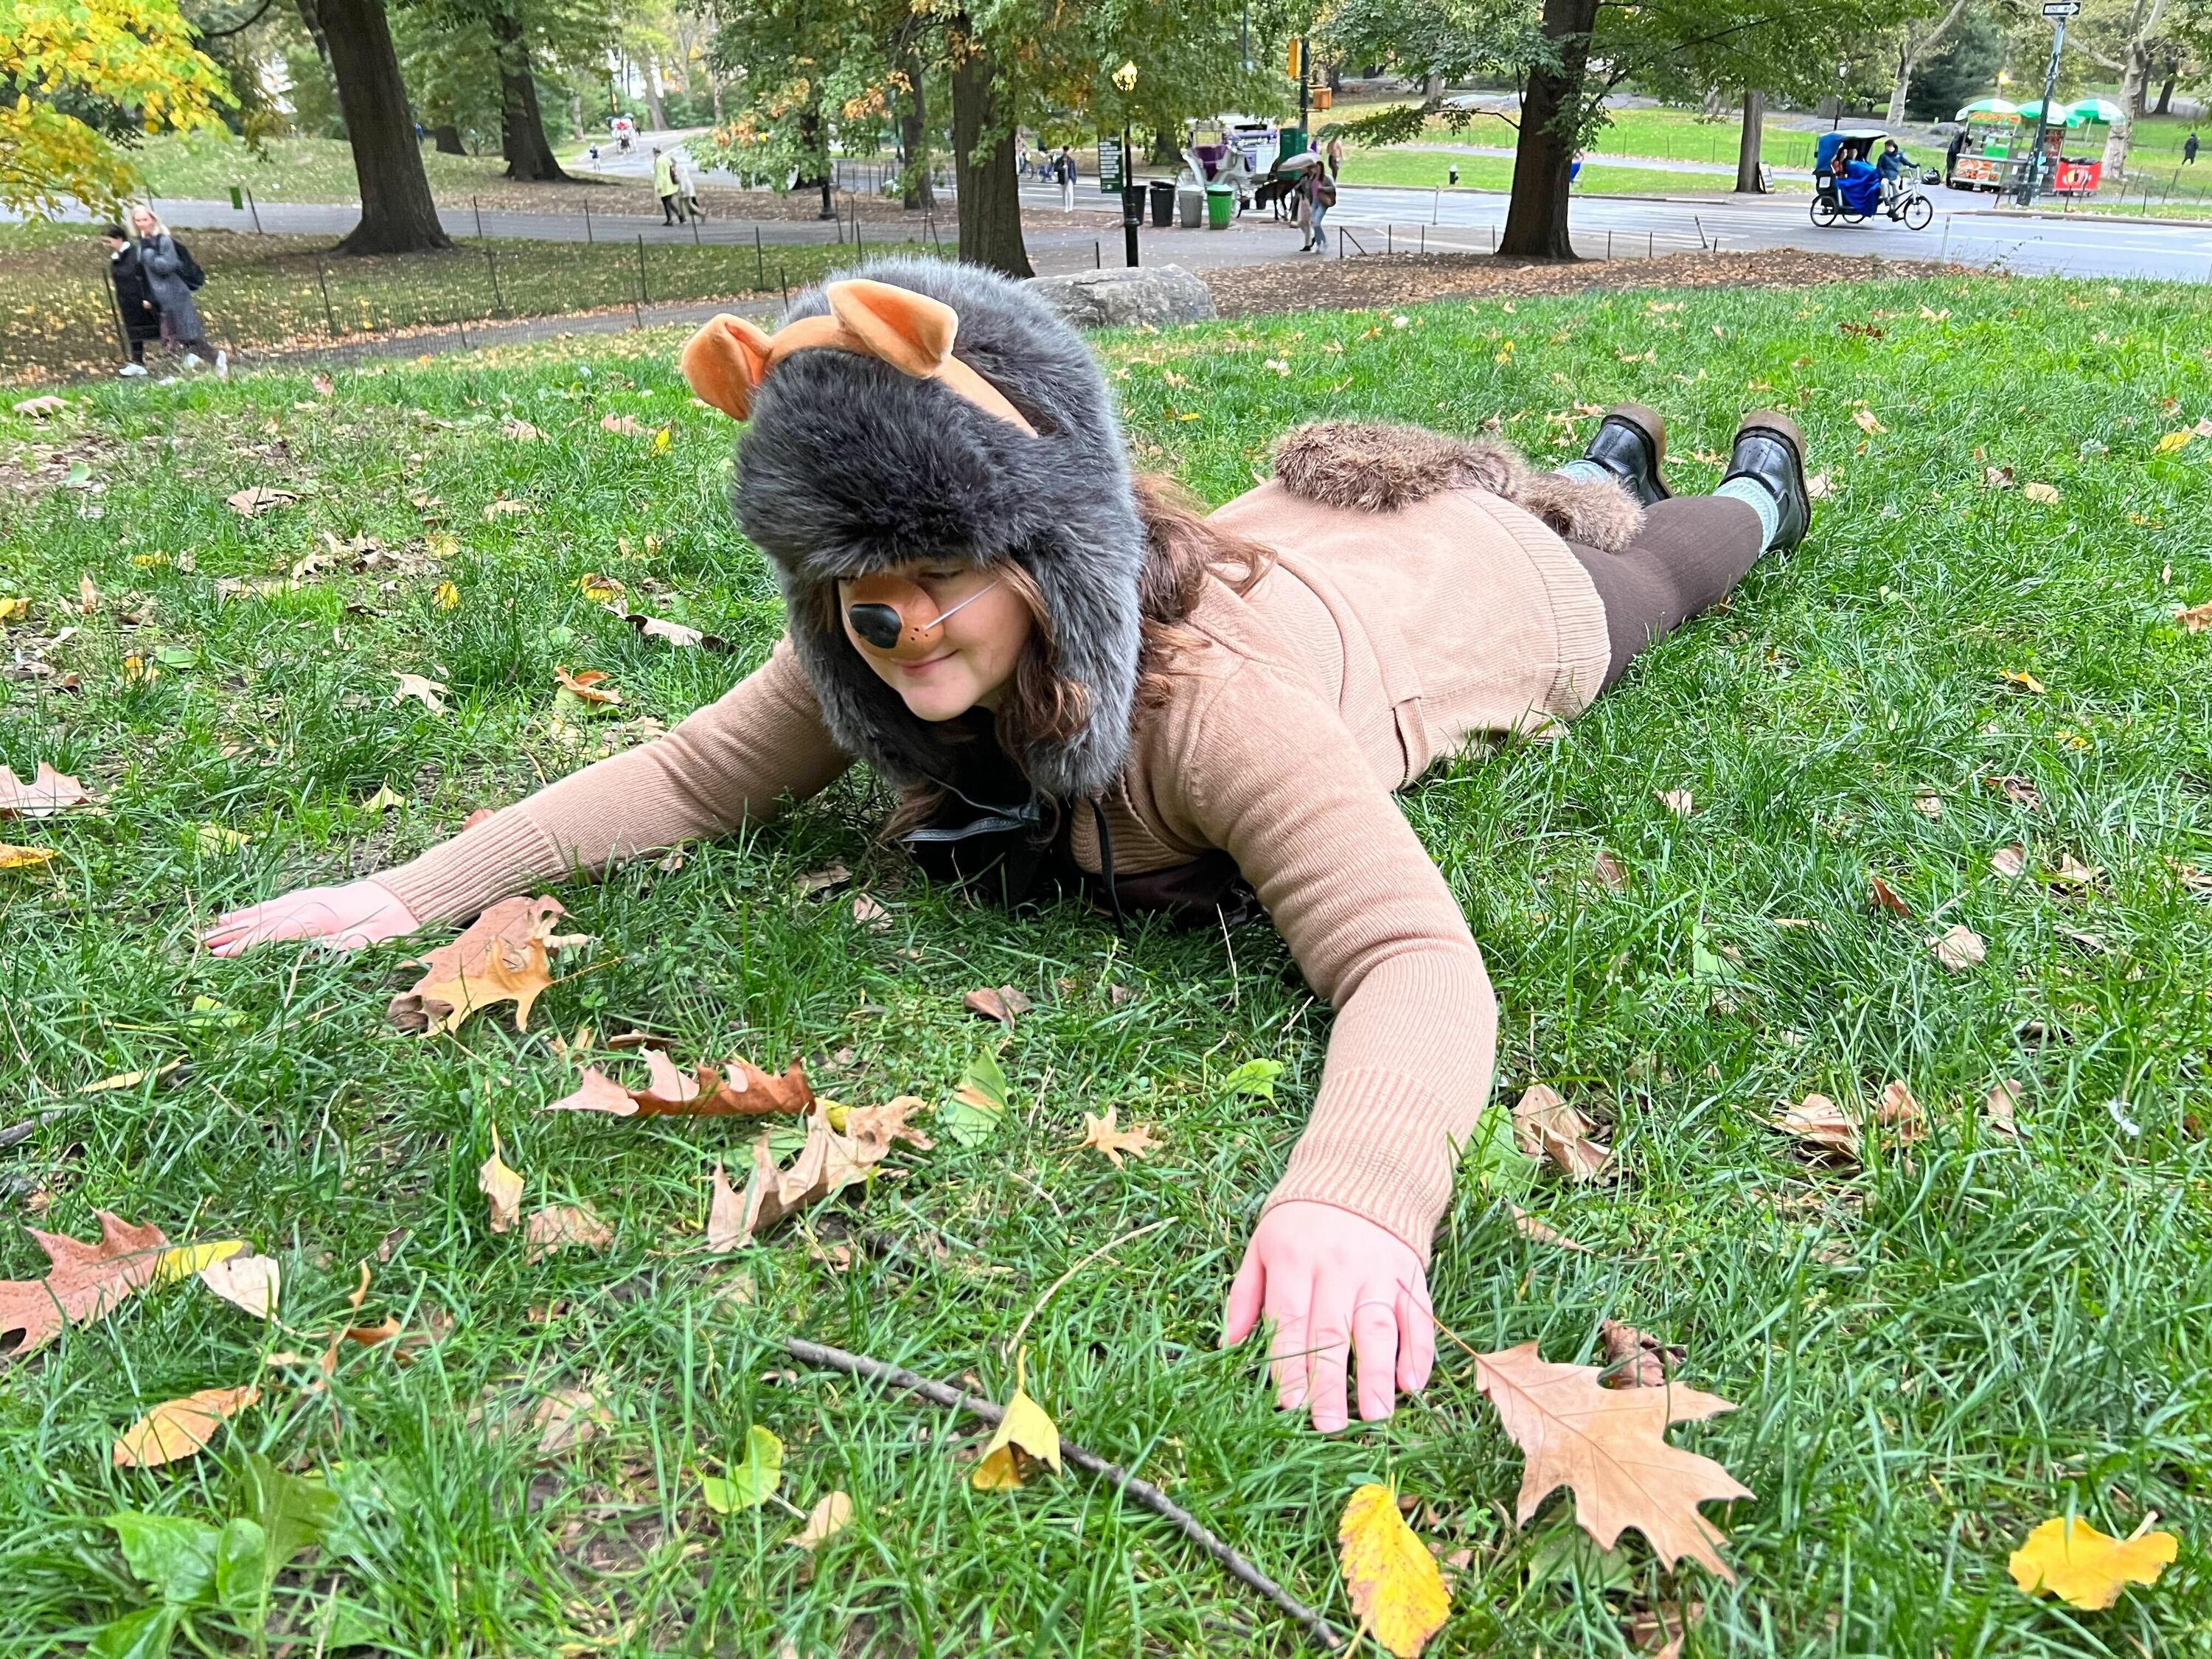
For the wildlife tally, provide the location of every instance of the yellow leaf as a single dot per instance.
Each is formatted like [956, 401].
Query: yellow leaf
[186, 1260]
[2172, 441]
[501, 1187]
[447, 596]
[11, 609]
[661, 440]
[1867, 422]
[1025, 1427]
[751, 1483]
[1393, 1581]
[179, 1428]
[2047, 493]
[2023, 679]
[825, 1520]
[2085, 1568]
[24, 857]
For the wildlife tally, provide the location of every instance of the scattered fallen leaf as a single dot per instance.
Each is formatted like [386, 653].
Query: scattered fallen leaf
[2195, 617]
[1899, 1112]
[88, 596]
[446, 596]
[751, 1484]
[1886, 898]
[1392, 1581]
[520, 430]
[1608, 870]
[25, 858]
[1677, 801]
[250, 1282]
[1101, 1134]
[817, 881]
[601, 590]
[259, 499]
[1532, 1229]
[1996, 477]
[1959, 948]
[501, 956]
[2072, 876]
[122, 1080]
[1867, 422]
[2017, 790]
[38, 408]
[562, 1225]
[726, 1214]
[384, 799]
[1025, 1432]
[1927, 804]
[1609, 1446]
[589, 686]
[1821, 1125]
[1545, 1125]
[2044, 493]
[827, 1163]
[747, 1092]
[1001, 1005]
[1818, 487]
[567, 1418]
[2010, 862]
[178, 1428]
[47, 792]
[2068, 1558]
[430, 693]
[2026, 681]
[978, 1102]
[675, 632]
[626, 426]
[501, 1188]
[502, 507]
[870, 914]
[85, 1281]
[1633, 1360]
[825, 1521]
[2172, 441]
[2001, 1110]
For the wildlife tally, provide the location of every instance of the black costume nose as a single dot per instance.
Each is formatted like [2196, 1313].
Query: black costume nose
[879, 624]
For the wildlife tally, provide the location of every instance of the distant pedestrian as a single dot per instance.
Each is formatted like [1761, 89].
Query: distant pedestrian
[2188, 148]
[595, 153]
[686, 174]
[134, 301]
[1320, 192]
[1334, 158]
[171, 275]
[1063, 168]
[664, 186]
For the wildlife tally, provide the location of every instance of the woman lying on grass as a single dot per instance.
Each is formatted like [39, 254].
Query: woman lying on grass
[1072, 679]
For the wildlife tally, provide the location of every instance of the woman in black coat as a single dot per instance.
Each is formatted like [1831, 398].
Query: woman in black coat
[134, 301]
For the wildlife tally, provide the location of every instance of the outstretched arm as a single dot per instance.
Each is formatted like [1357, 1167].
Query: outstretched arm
[729, 764]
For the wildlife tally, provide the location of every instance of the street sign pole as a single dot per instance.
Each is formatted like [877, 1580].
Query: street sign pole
[2032, 178]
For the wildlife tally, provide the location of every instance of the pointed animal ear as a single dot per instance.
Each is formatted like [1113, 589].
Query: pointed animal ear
[908, 330]
[724, 362]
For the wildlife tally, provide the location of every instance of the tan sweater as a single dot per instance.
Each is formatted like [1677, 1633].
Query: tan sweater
[1379, 642]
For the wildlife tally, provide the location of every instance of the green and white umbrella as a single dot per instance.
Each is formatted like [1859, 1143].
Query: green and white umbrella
[2094, 109]
[1988, 106]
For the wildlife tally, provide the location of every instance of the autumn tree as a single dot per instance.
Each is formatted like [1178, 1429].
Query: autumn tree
[1916, 35]
[2132, 36]
[78, 79]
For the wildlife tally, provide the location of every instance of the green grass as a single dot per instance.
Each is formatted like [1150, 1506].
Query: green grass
[204, 168]
[277, 291]
[1427, 168]
[1930, 1356]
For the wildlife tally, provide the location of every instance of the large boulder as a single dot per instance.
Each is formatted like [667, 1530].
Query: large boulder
[1157, 294]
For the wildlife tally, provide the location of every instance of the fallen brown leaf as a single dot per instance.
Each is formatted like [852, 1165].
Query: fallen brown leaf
[430, 693]
[623, 425]
[1545, 1125]
[2021, 678]
[562, 1225]
[1899, 1112]
[1633, 1360]
[501, 1188]
[816, 881]
[1959, 948]
[1886, 898]
[1608, 870]
[501, 956]
[589, 685]
[2000, 1111]
[567, 1418]
[85, 1282]
[250, 1282]
[825, 1521]
[1100, 1133]
[828, 1163]
[259, 499]
[1609, 1446]
[726, 1215]
[1679, 802]
[1002, 1003]
[178, 1429]
[2072, 876]
[1536, 1232]
[2017, 790]
[1927, 804]
[48, 792]
[2195, 617]
[1821, 1125]
[747, 1092]
[870, 914]
[2010, 862]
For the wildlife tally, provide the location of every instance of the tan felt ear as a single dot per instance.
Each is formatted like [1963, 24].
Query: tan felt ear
[908, 330]
[724, 362]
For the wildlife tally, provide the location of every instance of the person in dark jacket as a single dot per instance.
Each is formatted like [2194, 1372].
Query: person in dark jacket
[163, 261]
[2188, 148]
[134, 301]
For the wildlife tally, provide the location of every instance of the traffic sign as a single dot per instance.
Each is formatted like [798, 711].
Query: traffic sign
[2061, 8]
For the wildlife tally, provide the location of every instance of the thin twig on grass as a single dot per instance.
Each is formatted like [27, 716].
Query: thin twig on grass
[30, 1126]
[1142, 1493]
[1052, 1289]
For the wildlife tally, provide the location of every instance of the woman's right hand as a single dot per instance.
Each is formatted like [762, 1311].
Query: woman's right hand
[344, 918]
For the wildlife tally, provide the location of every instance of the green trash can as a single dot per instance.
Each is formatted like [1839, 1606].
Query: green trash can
[1221, 206]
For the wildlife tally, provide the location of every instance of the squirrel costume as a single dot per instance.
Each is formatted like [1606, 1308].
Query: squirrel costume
[1391, 596]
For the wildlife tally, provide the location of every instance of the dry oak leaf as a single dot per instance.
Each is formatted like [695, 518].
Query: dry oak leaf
[259, 499]
[1821, 1125]
[2010, 861]
[1900, 1113]
[1391, 1579]
[625, 426]
[747, 1091]
[561, 1225]
[1101, 1133]
[1959, 948]
[587, 686]
[2195, 617]
[1545, 1125]
[501, 956]
[726, 1213]
[85, 1282]
[825, 1521]
[501, 1188]
[1634, 1360]
[250, 1282]
[179, 1428]
[47, 792]
[2001, 1110]
[1002, 1003]
[430, 693]
[1884, 897]
[1530, 1228]
[1609, 1446]
[2085, 1568]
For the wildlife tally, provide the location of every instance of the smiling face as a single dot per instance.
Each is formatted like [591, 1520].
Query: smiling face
[142, 221]
[966, 661]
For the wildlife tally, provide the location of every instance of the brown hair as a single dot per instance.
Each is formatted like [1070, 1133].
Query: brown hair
[1182, 551]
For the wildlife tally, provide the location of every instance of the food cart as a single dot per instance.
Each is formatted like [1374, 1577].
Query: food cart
[2067, 128]
[1992, 134]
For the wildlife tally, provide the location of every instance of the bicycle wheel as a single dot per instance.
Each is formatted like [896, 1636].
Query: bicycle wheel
[1824, 212]
[1919, 212]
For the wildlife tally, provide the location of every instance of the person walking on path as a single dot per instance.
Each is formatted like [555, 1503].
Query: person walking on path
[685, 171]
[1076, 681]
[1334, 158]
[1320, 192]
[2188, 148]
[1063, 169]
[664, 186]
[134, 301]
[171, 274]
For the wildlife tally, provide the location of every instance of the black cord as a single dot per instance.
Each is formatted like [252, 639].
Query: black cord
[1106, 862]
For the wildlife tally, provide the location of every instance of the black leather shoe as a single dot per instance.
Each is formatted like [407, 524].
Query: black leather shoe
[1631, 443]
[1770, 449]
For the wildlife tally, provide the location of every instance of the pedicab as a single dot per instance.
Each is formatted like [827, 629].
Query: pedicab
[1847, 188]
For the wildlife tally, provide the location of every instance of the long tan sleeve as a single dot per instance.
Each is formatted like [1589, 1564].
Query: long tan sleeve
[1265, 770]
[730, 763]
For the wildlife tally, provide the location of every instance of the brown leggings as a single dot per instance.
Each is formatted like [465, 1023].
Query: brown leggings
[1690, 552]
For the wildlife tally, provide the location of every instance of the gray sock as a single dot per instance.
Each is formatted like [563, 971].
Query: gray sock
[1584, 473]
[1761, 500]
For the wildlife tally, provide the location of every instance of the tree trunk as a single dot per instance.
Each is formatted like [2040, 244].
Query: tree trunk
[521, 125]
[652, 104]
[313, 23]
[988, 188]
[1897, 88]
[914, 138]
[1748, 177]
[2134, 78]
[714, 90]
[397, 215]
[1536, 217]
[2165, 89]
[1432, 87]
[448, 138]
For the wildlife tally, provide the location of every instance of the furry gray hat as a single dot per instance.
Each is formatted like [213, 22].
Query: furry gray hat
[849, 465]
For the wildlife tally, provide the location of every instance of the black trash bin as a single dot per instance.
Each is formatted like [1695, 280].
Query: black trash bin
[1164, 195]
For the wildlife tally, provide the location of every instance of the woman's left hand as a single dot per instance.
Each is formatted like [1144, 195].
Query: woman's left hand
[1330, 1281]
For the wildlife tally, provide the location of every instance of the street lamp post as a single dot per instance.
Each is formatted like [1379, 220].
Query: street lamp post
[1132, 198]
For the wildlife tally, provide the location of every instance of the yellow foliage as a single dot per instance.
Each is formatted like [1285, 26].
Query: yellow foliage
[2085, 1568]
[1392, 1579]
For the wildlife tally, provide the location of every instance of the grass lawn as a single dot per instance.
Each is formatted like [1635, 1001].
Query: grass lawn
[204, 168]
[271, 291]
[1427, 168]
[1930, 1354]
[1672, 135]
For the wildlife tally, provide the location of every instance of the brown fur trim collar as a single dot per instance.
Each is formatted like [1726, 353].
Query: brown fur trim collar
[1376, 466]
